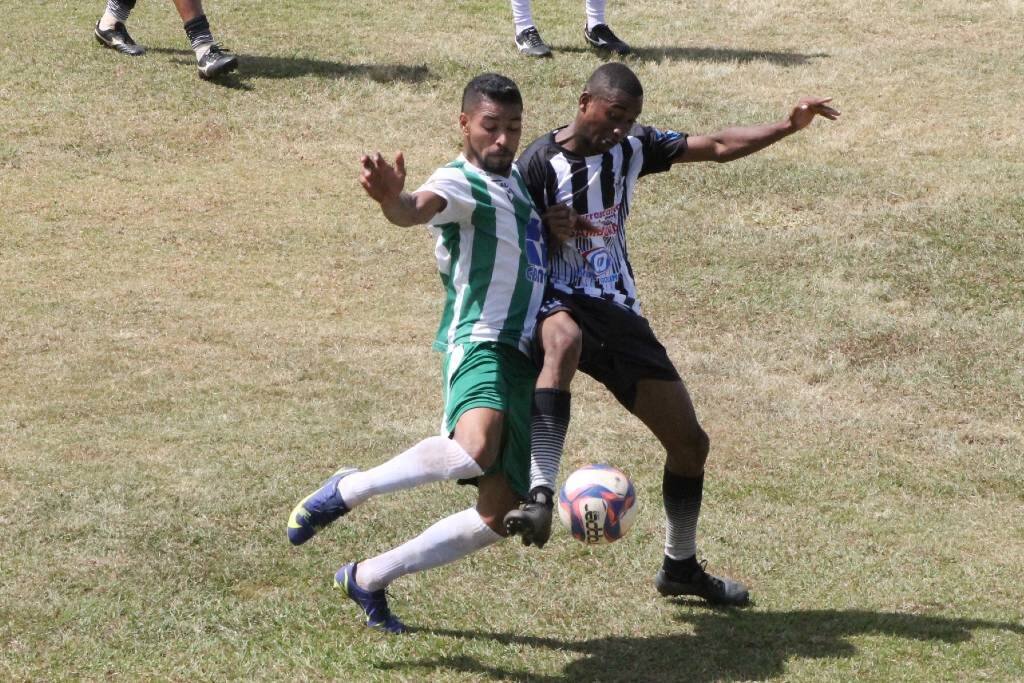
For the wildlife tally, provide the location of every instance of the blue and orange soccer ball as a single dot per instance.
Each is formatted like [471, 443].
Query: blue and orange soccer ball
[598, 504]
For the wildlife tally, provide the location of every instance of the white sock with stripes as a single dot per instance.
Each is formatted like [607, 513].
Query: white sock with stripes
[434, 459]
[682, 498]
[595, 13]
[548, 426]
[446, 541]
[522, 15]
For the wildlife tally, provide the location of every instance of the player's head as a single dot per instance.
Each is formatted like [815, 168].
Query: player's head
[609, 106]
[491, 122]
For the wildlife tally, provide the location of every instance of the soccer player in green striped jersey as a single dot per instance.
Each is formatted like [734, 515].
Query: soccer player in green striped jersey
[492, 259]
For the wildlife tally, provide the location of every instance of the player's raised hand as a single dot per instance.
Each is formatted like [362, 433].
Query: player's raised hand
[809, 107]
[382, 181]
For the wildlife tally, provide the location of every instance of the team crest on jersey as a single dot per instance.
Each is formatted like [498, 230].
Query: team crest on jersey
[600, 263]
[508, 192]
[535, 270]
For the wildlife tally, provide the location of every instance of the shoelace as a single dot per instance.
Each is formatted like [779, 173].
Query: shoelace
[379, 611]
[532, 38]
[710, 578]
[380, 614]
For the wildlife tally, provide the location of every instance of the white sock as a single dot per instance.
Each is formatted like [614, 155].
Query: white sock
[434, 459]
[522, 15]
[107, 21]
[446, 541]
[595, 13]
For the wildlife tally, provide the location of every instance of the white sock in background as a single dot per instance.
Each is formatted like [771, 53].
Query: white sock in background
[522, 15]
[595, 13]
[116, 11]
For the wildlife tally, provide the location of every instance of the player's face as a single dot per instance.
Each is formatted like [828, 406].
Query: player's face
[491, 132]
[605, 119]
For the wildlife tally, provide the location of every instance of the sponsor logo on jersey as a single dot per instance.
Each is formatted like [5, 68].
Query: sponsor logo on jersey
[605, 223]
[666, 135]
[535, 270]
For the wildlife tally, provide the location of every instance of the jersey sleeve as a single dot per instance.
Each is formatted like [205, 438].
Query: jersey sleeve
[450, 185]
[660, 147]
[535, 171]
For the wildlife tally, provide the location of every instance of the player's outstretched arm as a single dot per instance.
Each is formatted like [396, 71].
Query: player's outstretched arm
[734, 143]
[384, 183]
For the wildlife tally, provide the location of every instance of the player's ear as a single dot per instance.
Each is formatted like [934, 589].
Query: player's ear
[585, 99]
[464, 123]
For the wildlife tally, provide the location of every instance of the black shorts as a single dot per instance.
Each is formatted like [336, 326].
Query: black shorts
[619, 346]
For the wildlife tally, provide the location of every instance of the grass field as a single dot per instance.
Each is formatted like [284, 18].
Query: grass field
[201, 316]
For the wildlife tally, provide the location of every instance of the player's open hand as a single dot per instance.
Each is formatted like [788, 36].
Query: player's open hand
[382, 181]
[809, 107]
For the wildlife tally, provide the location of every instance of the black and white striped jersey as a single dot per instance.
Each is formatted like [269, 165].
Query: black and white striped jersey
[596, 262]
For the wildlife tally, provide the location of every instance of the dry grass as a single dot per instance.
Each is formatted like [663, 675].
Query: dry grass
[201, 315]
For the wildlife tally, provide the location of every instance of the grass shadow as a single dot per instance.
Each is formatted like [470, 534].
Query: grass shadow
[706, 54]
[260, 66]
[726, 645]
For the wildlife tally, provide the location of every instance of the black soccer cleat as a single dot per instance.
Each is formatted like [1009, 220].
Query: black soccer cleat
[118, 39]
[601, 37]
[216, 62]
[715, 589]
[530, 43]
[532, 521]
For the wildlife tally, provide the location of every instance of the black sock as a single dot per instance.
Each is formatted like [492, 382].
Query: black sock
[548, 426]
[198, 31]
[682, 497]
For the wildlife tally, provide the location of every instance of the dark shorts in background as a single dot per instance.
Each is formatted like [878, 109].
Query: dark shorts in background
[619, 346]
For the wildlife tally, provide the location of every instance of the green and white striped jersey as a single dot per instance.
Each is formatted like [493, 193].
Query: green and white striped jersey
[491, 256]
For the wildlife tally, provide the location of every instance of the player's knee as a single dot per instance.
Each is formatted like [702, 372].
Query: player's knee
[563, 344]
[478, 431]
[484, 452]
[690, 452]
[701, 445]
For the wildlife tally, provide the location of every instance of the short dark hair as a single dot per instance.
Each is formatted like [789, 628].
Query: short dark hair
[493, 87]
[614, 76]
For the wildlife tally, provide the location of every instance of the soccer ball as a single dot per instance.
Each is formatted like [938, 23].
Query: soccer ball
[598, 504]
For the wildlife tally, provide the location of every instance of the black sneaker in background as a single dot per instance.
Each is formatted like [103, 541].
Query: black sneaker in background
[602, 38]
[118, 39]
[529, 43]
[715, 589]
[216, 62]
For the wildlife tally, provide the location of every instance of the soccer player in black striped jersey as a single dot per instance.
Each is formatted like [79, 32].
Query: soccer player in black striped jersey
[591, 318]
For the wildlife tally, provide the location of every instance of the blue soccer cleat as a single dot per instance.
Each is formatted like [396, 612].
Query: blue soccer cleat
[318, 509]
[373, 603]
